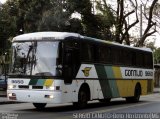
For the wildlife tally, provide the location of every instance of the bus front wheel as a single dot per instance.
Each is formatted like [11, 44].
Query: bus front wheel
[39, 106]
[82, 100]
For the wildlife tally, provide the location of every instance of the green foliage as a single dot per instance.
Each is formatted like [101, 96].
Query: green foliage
[106, 20]
[23, 16]
[55, 18]
[150, 45]
[81, 6]
[30, 13]
[89, 20]
[157, 56]
[93, 25]
[7, 28]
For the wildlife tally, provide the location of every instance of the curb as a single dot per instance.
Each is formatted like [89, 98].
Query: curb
[3, 96]
[156, 92]
[8, 102]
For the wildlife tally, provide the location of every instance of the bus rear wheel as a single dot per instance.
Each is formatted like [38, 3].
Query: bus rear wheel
[136, 96]
[39, 106]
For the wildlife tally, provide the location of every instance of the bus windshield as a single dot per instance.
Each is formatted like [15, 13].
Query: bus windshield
[35, 58]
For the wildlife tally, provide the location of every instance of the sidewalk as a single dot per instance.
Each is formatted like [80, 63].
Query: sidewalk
[156, 90]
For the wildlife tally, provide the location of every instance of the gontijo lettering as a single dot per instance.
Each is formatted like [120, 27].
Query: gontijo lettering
[138, 73]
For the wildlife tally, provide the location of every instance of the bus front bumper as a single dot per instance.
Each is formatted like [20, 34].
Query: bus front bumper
[35, 96]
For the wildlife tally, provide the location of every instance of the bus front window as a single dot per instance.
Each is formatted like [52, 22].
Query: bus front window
[35, 58]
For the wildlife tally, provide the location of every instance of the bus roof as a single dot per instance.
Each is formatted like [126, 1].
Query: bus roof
[44, 36]
[117, 44]
[40, 36]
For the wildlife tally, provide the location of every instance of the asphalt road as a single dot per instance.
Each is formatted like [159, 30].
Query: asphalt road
[149, 106]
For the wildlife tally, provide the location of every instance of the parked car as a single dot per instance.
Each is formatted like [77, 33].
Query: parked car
[3, 83]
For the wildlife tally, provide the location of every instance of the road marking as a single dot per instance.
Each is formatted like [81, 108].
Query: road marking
[123, 107]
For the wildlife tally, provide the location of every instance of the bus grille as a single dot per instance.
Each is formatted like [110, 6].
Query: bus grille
[23, 86]
[37, 87]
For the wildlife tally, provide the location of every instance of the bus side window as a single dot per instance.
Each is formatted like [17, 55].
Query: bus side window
[109, 55]
[134, 57]
[139, 59]
[87, 52]
[148, 60]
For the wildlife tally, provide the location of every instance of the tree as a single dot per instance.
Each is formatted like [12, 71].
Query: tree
[119, 18]
[30, 13]
[122, 27]
[7, 28]
[83, 7]
[94, 25]
[126, 9]
[157, 56]
[105, 19]
[44, 15]
[156, 13]
[150, 23]
[56, 18]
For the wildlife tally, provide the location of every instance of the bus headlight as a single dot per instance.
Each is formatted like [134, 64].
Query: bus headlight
[51, 88]
[12, 96]
[51, 96]
[11, 86]
[9, 94]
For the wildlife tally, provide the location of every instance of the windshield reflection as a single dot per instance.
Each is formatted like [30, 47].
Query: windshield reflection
[35, 58]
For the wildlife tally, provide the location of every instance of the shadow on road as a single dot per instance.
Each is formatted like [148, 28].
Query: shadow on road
[90, 107]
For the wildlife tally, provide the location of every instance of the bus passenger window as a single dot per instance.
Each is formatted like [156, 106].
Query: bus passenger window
[86, 52]
[109, 55]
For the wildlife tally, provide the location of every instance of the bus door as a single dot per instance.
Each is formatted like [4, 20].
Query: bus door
[71, 61]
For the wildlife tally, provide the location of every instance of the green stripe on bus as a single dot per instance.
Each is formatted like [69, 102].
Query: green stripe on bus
[114, 88]
[104, 83]
[112, 83]
[106, 89]
[101, 72]
[109, 71]
[33, 82]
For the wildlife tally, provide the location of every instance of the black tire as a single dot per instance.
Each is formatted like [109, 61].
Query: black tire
[107, 100]
[82, 100]
[136, 96]
[39, 106]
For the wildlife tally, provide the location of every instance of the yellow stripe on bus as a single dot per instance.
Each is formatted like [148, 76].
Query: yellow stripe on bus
[127, 87]
[48, 82]
[117, 72]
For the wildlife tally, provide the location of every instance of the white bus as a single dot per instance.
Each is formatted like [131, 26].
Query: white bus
[60, 67]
